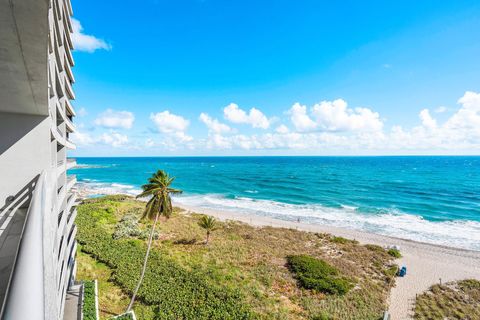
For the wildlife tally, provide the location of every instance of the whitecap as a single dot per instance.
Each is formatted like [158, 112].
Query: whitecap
[389, 222]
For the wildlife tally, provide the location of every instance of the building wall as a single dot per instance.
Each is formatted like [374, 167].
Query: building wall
[23, 138]
[35, 125]
[61, 229]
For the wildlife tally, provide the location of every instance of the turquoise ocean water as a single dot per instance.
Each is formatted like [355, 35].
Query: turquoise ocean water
[430, 199]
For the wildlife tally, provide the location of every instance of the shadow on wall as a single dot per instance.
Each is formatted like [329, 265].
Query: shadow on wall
[20, 199]
[13, 216]
[14, 126]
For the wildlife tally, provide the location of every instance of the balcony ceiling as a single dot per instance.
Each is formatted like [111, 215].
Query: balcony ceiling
[23, 56]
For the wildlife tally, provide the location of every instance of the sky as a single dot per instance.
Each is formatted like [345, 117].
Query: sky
[211, 77]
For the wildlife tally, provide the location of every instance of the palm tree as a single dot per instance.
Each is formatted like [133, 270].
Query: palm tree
[209, 224]
[160, 204]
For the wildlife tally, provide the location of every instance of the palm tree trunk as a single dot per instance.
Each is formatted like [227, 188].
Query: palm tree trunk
[130, 305]
[208, 237]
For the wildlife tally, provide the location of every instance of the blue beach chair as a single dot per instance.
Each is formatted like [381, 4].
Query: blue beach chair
[402, 272]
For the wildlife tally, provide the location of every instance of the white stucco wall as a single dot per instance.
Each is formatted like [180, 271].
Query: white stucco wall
[24, 151]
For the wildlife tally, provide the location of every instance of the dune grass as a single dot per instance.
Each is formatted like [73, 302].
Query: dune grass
[453, 300]
[246, 260]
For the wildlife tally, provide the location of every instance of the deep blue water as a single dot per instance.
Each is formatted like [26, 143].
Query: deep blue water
[432, 199]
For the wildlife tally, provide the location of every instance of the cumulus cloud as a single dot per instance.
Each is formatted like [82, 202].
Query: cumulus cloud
[113, 139]
[85, 42]
[300, 119]
[335, 116]
[115, 119]
[427, 120]
[82, 112]
[81, 138]
[441, 109]
[336, 129]
[282, 129]
[214, 125]
[329, 127]
[254, 117]
[171, 124]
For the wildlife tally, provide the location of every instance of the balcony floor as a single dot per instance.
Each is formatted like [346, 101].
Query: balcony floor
[73, 302]
[10, 236]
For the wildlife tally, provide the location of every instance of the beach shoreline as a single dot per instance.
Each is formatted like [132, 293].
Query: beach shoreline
[427, 264]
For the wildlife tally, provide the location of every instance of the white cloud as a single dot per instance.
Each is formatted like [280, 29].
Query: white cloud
[114, 139]
[362, 132]
[81, 138]
[301, 121]
[115, 119]
[427, 120]
[85, 42]
[254, 117]
[335, 116]
[149, 143]
[329, 127]
[214, 125]
[82, 112]
[171, 124]
[282, 129]
[441, 109]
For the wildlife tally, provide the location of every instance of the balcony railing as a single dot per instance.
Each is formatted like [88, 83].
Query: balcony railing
[71, 163]
[27, 280]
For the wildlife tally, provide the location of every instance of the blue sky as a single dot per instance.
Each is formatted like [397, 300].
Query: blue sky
[205, 77]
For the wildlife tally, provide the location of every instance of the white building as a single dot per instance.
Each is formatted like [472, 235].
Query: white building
[37, 206]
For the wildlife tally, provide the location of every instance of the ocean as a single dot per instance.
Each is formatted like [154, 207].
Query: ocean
[424, 198]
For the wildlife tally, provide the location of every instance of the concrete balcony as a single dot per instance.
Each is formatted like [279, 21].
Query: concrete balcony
[69, 124]
[69, 144]
[68, 87]
[68, 107]
[26, 280]
[71, 163]
[71, 180]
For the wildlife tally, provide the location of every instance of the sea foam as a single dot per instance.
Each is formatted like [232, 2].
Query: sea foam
[461, 234]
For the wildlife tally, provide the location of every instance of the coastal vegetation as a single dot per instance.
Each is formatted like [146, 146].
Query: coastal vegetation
[318, 275]
[246, 273]
[89, 308]
[158, 190]
[209, 224]
[394, 253]
[454, 300]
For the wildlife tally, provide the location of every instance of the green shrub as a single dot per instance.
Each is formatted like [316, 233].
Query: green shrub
[316, 274]
[375, 248]
[342, 240]
[89, 306]
[394, 253]
[469, 284]
[179, 293]
[128, 227]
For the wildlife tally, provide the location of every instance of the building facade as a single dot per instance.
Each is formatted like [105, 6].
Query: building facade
[37, 204]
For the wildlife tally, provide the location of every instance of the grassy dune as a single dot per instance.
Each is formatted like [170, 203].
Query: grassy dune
[244, 265]
[455, 300]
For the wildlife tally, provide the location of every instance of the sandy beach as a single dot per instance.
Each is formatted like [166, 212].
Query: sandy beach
[426, 264]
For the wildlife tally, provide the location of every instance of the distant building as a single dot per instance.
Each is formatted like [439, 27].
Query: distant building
[37, 205]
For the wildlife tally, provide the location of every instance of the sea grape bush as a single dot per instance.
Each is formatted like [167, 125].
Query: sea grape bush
[316, 274]
[179, 293]
[395, 253]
